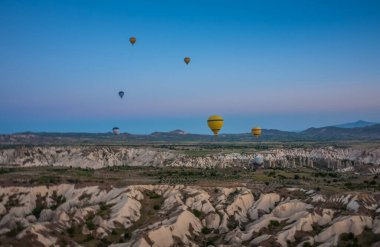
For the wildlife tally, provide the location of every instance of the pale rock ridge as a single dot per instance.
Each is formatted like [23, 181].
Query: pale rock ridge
[233, 213]
[354, 224]
[342, 160]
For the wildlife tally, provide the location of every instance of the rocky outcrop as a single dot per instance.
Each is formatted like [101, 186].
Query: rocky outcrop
[163, 215]
[348, 224]
[96, 157]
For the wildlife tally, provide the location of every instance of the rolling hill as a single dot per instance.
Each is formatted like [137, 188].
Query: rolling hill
[357, 124]
[329, 133]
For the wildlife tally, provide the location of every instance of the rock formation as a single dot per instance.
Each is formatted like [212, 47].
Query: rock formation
[162, 215]
[96, 157]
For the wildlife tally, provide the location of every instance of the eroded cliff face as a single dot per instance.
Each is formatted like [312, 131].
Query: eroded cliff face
[163, 215]
[349, 159]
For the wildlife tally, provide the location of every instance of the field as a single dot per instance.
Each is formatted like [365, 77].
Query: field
[265, 179]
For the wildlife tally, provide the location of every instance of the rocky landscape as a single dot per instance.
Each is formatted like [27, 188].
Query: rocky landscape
[163, 215]
[96, 157]
[264, 207]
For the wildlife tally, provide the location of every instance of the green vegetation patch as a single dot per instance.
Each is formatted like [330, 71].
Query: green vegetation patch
[13, 201]
[104, 210]
[57, 200]
[152, 194]
[197, 213]
[206, 230]
[366, 238]
[273, 224]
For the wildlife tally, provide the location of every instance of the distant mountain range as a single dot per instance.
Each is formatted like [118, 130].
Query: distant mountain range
[370, 131]
[357, 124]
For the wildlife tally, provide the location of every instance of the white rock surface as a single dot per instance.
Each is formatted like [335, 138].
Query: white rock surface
[231, 214]
[95, 157]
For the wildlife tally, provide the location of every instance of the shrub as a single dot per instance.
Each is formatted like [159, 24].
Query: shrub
[273, 223]
[197, 213]
[15, 230]
[348, 185]
[90, 225]
[58, 200]
[88, 238]
[206, 230]
[127, 235]
[152, 195]
[232, 224]
[71, 231]
[347, 236]
[37, 211]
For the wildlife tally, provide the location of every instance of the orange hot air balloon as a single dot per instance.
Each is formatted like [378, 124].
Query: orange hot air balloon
[187, 60]
[256, 132]
[132, 40]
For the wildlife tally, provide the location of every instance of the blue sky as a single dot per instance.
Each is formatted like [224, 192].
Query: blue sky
[278, 64]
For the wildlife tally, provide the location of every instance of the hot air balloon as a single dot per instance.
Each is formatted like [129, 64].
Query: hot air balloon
[121, 94]
[215, 123]
[132, 40]
[257, 161]
[115, 131]
[187, 60]
[256, 132]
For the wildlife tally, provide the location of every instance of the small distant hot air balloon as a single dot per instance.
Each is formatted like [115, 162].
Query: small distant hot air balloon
[187, 60]
[116, 131]
[258, 160]
[256, 132]
[132, 40]
[215, 123]
[121, 94]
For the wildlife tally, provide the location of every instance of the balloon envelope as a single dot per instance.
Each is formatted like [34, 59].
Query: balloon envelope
[132, 40]
[121, 94]
[116, 131]
[258, 160]
[256, 132]
[187, 60]
[215, 123]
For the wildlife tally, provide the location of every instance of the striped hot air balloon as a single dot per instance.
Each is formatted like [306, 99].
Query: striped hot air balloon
[256, 132]
[215, 123]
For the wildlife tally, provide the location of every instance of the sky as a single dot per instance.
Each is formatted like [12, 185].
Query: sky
[279, 64]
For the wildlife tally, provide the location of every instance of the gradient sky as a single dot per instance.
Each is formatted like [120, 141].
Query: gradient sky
[279, 64]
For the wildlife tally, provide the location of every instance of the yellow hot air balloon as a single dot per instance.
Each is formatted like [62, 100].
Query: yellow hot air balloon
[132, 40]
[215, 123]
[187, 60]
[256, 132]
